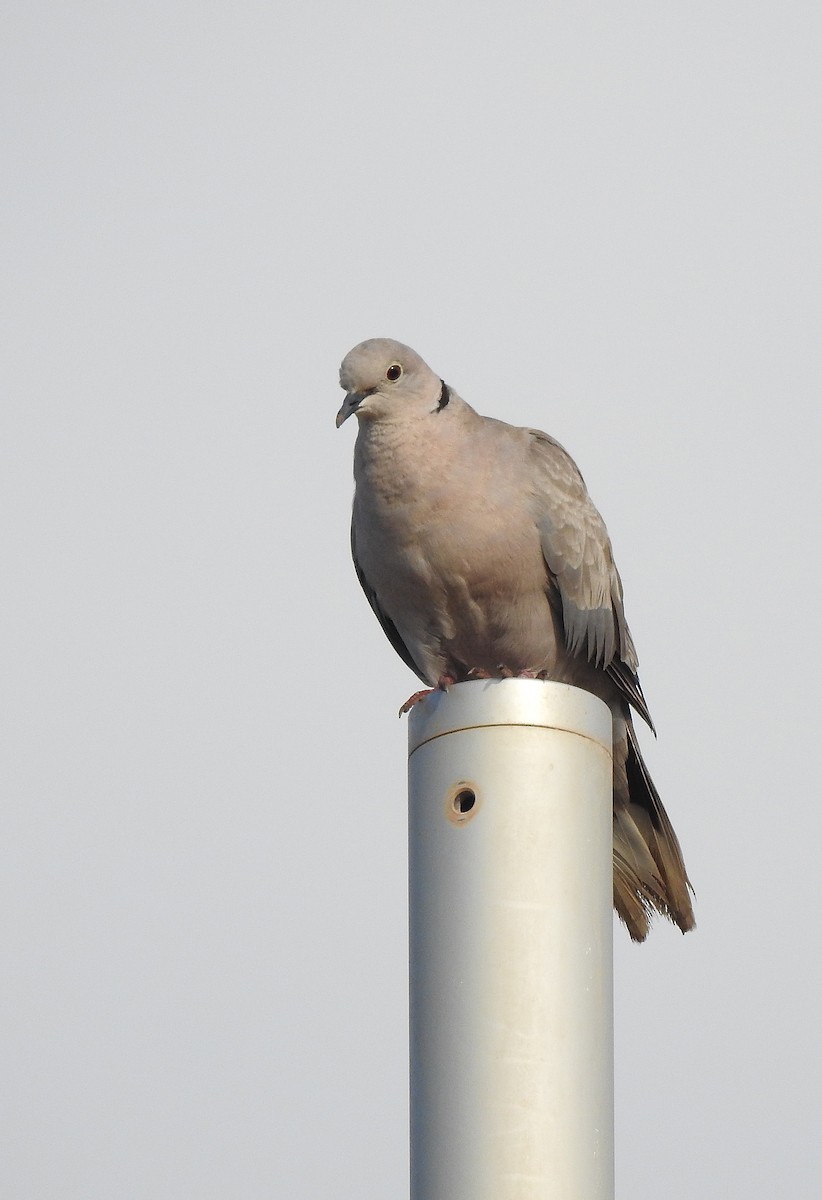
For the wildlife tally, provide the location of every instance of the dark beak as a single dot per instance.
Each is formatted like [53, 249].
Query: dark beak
[350, 404]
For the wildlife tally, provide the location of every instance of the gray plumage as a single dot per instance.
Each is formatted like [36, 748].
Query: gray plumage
[482, 554]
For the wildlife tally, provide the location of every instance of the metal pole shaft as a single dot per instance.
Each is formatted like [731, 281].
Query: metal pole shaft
[510, 889]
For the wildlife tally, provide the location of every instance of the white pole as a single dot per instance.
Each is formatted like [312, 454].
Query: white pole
[510, 883]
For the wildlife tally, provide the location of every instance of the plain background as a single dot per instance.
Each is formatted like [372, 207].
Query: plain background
[601, 219]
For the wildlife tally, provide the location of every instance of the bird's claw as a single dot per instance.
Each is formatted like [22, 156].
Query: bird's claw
[415, 699]
[443, 684]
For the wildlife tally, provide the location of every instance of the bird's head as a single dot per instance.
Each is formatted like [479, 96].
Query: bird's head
[384, 380]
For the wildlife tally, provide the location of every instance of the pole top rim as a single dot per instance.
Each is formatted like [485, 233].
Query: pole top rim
[538, 703]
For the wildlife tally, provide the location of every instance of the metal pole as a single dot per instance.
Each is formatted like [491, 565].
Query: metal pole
[510, 886]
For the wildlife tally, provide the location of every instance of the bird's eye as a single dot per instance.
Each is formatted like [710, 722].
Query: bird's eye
[394, 371]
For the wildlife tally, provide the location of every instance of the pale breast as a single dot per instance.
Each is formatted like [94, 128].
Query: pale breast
[457, 566]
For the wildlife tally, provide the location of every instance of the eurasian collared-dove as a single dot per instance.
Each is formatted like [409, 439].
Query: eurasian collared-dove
[482, 555]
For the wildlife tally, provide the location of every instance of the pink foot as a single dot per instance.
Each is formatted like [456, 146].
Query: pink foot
[443, 684]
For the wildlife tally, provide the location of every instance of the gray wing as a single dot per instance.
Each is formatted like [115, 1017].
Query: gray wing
[584, 583]
[388, 625]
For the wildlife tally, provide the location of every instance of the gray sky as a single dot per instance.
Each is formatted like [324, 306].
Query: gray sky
[600, 219]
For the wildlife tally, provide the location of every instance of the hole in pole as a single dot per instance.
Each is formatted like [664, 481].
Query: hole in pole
[464, 801]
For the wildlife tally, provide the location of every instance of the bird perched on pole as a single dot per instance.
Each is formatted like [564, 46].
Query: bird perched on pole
[482, 555]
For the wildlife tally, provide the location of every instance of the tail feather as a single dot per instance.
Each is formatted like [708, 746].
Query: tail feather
[649, 872]
[637, 886]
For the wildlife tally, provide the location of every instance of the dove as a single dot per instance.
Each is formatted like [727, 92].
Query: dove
[483, 556]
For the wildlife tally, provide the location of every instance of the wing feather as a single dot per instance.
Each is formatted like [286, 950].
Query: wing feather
[585, 582]
[390, 629]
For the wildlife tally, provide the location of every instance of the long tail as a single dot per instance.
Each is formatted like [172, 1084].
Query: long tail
[649, 874]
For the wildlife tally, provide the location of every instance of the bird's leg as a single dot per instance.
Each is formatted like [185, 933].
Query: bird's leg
[443, 684]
